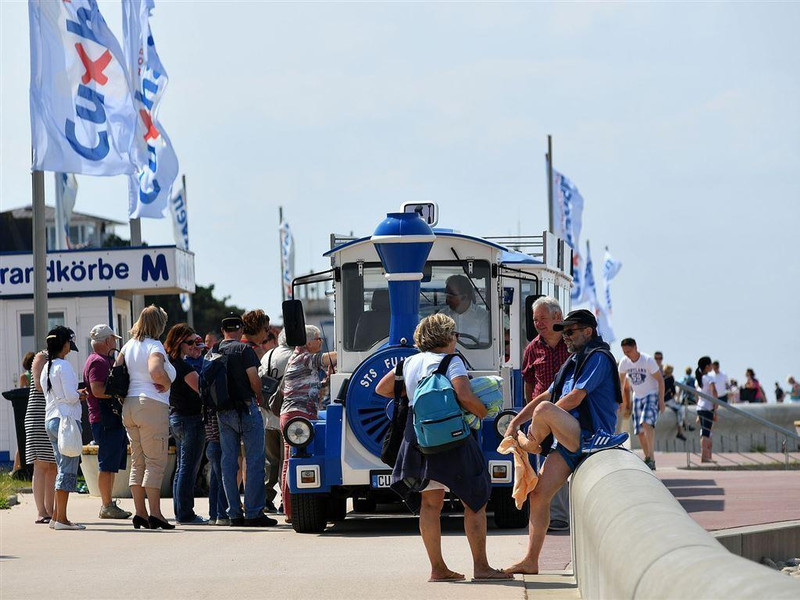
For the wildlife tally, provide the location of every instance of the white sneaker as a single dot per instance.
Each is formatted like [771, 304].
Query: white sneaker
[68, 526]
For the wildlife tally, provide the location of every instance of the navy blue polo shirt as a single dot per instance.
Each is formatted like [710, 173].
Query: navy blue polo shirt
[597, 381]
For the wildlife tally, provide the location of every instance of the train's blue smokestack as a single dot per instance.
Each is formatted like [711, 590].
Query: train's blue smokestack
[403, 241]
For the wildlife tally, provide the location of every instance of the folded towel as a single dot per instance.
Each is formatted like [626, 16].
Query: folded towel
[489, 390]
[525, 478]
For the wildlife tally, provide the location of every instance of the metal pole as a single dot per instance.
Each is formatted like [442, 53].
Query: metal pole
[190, 314]
[550, 183]
[40, 314]
[137, 300]
[280, 252]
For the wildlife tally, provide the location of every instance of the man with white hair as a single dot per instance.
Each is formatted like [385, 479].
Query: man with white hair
[107, 429]
[273, 364]
[541, 360]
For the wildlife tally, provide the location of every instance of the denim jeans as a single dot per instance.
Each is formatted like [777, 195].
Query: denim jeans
[217, 502]
[67, 478]
[189, 435]
[235, 428]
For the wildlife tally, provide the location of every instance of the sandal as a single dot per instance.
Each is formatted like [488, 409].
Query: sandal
[43, 520]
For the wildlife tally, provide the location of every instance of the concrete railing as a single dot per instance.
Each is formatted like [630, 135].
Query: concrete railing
[632, 539]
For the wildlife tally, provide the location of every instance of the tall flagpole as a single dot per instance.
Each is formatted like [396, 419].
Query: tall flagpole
[190, 313]
[40, 315]
[137, 300]
[550, 183]
[280, 252]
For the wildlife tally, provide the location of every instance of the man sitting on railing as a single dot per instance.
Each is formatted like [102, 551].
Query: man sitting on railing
[579, 410]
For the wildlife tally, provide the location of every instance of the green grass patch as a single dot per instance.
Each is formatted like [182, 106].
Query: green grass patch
[9, 487]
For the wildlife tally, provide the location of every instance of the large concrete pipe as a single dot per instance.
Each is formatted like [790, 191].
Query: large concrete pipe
[632, 539]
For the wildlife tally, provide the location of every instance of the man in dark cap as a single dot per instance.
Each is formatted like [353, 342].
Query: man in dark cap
[579, 410]
[242, 425]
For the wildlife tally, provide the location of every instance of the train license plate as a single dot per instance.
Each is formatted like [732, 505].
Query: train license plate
[380, 479]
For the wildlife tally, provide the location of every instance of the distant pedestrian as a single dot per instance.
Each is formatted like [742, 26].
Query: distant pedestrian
[721, 382]
[779, 393]
[212, 339]
[794, 389]
[38, 449]
[706, 409]
[107, 428]
[185, 422]
[63, 402]
[753, 384]
[647, 384]
[301, 385]
[671, 402]
[273, 364]
[242, 426]
[145, 414]
[255, 329]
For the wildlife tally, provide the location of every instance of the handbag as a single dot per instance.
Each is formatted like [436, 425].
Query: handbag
[394, 434]
[270, 382]
[70, 441]
[110, 413]
[276, 401]
[118, 380]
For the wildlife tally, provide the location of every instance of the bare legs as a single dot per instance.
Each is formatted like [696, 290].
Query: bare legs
[153, 501]
[44, 482]
[647, 439]
[705, 447]
[430, 528]
[552, 476]
[60, 514]
[105, 481]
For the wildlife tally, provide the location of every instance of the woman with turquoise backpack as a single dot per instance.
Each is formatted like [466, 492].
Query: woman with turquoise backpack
[426, 465]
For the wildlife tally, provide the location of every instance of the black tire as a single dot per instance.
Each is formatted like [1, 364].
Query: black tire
[364, 505]
[309, 513]
[337, 509]
[506, 515]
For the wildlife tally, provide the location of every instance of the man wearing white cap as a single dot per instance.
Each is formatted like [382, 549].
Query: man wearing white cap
[105, 417]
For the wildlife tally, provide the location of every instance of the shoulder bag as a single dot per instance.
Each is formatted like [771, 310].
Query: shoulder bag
[118, 379]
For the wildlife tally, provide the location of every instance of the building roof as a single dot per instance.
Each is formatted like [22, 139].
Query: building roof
[26, 212]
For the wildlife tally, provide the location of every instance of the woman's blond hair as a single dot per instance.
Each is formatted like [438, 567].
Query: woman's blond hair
[151, 323]
[435, 331]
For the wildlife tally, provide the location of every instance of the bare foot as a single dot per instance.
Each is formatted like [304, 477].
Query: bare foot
[446, 576]
[523, 568]
[491, 575]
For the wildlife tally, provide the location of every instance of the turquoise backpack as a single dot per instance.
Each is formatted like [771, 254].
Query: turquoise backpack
[438, 418]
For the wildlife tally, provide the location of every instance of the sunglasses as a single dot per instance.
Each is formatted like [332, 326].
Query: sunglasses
[570, 332]
[189, 342]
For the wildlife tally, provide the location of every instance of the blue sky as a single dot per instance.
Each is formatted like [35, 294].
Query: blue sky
[680, 123]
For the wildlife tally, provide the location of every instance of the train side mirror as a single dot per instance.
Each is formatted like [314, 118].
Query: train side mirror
[294, 322]
[530, 329]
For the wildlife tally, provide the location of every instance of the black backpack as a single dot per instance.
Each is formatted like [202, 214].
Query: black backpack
[214, 381]
[397, 425]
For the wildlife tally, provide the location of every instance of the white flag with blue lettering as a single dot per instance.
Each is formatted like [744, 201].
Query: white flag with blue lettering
[180, 229]
[567, 220]
[83, 118]
[66, 193]
[287, 259]
[590, 289]
[611, 267]
[150, 189]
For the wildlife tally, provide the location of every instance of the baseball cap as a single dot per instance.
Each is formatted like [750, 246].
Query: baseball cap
[232, 322]
[101, 332]
[577, 317]
[63, 335]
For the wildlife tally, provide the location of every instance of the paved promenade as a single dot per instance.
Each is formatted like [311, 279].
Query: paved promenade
[363, 557]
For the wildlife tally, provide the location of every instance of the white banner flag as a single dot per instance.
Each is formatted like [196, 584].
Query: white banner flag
[150, 189]
[604, 327]
[287, 259]
[590, 289]
[611, 267]
[82, 115]
[180, 230]
[567, 222]
[66, 192]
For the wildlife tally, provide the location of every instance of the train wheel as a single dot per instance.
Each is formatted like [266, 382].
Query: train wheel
[506, 515]
[309, 513]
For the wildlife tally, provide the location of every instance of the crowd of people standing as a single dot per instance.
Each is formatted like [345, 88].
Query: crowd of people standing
[242, 444]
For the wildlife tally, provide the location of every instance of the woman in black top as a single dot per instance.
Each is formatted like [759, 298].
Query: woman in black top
[185, 422]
